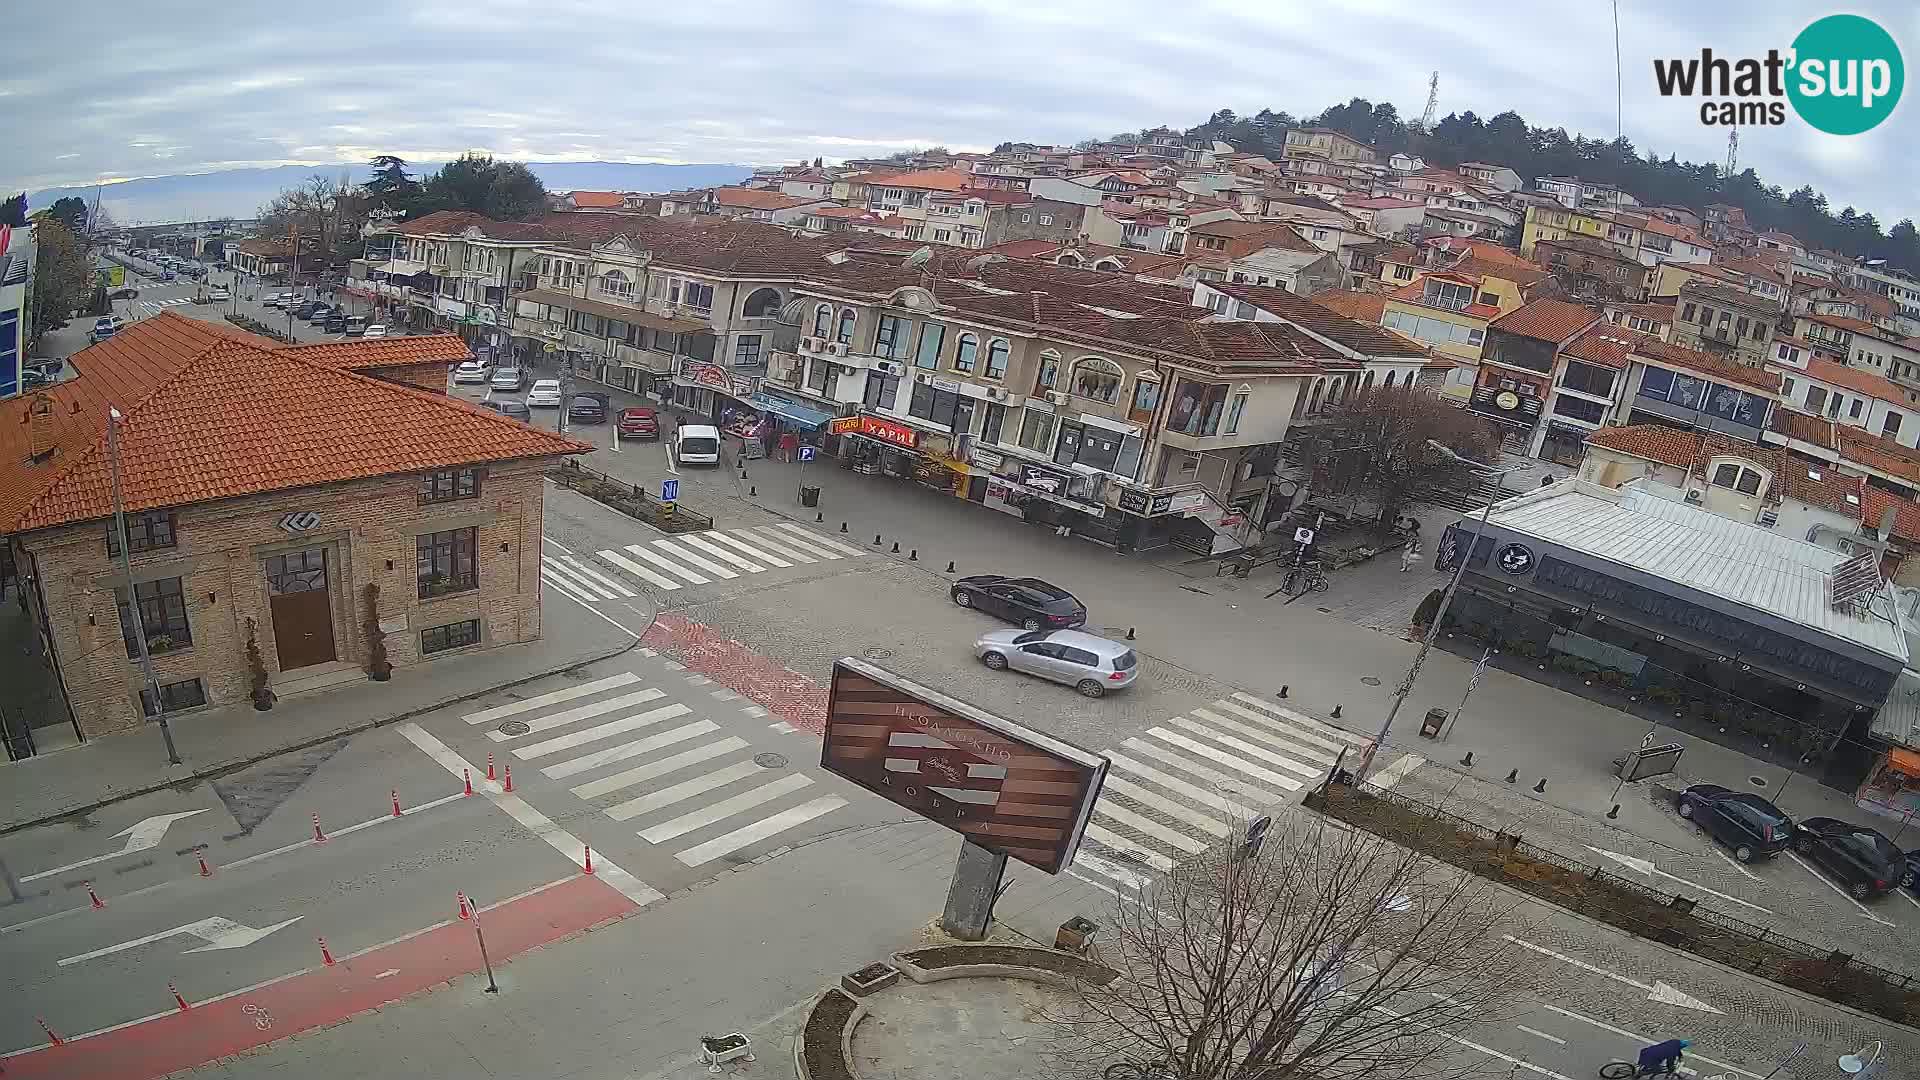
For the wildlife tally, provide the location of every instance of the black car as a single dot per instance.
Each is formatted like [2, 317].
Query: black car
[336, 323]
[1866, 862]
[1753, 827]
[508, 407]
[319, 313]
[123, 294]
[587, 409]
[1910, 871]
[307, 308]
[1034, 604]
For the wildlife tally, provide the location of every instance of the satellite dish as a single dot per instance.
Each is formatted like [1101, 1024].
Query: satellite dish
[975, 264]
[919, 258]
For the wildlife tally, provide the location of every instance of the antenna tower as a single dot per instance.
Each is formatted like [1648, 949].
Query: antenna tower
[1433, 102]
[1733, 150]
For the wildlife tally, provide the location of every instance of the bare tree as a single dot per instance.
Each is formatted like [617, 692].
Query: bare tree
[1331, 954]
[1377, 449]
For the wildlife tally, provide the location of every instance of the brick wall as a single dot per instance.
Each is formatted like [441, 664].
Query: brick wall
[368, 529]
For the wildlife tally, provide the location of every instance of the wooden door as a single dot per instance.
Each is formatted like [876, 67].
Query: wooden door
[302, 608]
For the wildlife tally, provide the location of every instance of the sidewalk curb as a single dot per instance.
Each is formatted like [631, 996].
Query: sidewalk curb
[234, 764]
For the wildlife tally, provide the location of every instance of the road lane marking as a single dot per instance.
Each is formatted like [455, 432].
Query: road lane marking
[568, 845]
[642, 773]
[1114, 840]
[684, 790]
[1245, 747]
[1292, 731]
[725, 808]
[500, 712]
[1804, 865]
[1537, 1033]
[582, 712]
[816, 539]
[1645, 866]
[722, 554]
[557, 545]
[705, 564]
[669, 566]
[741, 545]
[566, 588]
[772, 825]
[1218, 779]
[1396, 772]
[637, 570]
[1142, 824]
[1295, 747]
[791, 551]
[1240, 814]
[1172, 808]
[1302, 719]
[604, 581]
[1644, 1040]
[771, 535]
[600, 731]
[1662, 992]
[141, 835]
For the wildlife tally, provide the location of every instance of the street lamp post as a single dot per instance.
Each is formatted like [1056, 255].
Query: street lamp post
[1433, 628]
[126, 582]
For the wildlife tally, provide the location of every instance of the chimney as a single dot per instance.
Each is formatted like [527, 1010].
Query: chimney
[40, 433]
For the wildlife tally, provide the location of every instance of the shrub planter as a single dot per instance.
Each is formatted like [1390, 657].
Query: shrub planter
[1044, 966]
[824, 1050]
[869, 979]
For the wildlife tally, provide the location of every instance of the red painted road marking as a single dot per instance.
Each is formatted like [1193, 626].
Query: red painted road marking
[233, 1025]
[787, 694]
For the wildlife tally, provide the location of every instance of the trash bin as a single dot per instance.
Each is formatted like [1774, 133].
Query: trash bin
[809, 496]
[1431, 724]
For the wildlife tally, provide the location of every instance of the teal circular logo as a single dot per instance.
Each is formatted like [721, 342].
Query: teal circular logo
[1847, 74]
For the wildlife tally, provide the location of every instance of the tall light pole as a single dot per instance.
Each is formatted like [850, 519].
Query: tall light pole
[1446, 599]
[126, 582]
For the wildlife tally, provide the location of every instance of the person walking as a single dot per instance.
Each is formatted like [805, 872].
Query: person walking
[1409, 555]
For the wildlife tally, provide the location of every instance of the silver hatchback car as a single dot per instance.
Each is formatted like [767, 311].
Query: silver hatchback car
[1089, 664]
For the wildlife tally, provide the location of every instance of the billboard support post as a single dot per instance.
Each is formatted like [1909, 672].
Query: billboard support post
[976, 885]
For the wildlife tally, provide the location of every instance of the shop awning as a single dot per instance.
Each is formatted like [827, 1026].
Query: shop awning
[811, 419]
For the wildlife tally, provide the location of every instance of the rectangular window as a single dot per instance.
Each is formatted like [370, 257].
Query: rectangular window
[990, 428]
[1403, 273]
[817, 375]
[964, 353]
[1036, 431]
[186, 694]
[1046, 219]
[698, 296]
[886, 333]
[163, 617]
[1489, 299]
[1235, 408]
[666, 341]
[746, 351]
[1049, 372]
[1816, 399]
[1891, 425]
[1740, 328]
[1786, 387]
[147, 531]
[1656, 383]
[449, 485]
[932, 336]
[1446, 294]
[882, 390]
[451, 636]
[445, 562]
[997, 351]
[1853, 412]
[1579, 409]
[934, 406]
[1588, 379]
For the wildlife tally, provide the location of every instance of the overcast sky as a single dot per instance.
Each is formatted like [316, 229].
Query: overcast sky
[124, 88]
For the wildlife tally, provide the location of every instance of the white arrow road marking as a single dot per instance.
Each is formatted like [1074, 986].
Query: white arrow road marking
[140, 836]
[1645, 866]
[216, 931]
[1656, 991]
[1822, 878]
[387, 974]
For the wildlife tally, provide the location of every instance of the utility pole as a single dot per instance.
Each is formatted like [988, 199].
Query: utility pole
[1433, 102]
[126, 582]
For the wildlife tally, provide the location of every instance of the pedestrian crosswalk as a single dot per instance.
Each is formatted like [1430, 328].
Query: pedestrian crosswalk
[690, 559]
[1191, 781]
[153, 307]
[681, 780]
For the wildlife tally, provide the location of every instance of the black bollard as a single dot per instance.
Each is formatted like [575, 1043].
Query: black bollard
[1283, 690]
[1468, 760]
[843, 526]
[896, 547]
[876, 539]
[820, 517]
[1614, 813]
[1540, 787]
[752, 491]
[1336, 712]
[1129, 633]
[949, 566]
[1513, 776]
[914, 555]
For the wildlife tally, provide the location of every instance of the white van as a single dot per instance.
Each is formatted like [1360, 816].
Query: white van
[696, 444]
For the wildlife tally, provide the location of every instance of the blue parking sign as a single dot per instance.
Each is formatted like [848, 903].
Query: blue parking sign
[669, 490]
[806, 453]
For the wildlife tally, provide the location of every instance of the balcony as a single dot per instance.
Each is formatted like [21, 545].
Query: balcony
[540, 329]
[644, 359]
[787, 369]
[1506, 406]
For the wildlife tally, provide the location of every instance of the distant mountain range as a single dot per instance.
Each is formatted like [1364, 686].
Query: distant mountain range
[239, 192]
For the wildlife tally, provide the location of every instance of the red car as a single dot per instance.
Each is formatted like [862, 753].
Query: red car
[639, 424]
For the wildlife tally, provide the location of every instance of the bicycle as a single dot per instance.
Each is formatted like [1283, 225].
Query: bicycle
[1628, 1070]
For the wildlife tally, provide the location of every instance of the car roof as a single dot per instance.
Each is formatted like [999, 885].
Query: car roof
[699, 431]
[1093, 643]
[1038, 585]
[636, 410]
[543, 383]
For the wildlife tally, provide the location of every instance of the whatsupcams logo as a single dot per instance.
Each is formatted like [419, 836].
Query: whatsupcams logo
[1843, 75]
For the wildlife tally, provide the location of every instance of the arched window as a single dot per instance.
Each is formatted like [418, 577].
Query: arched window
[1146, 398]
[823, 320]
[762, 304]
[1367, 383]
[615, 283]
[1048, 375]
[997, 351]
[965, 352]
[1313, 403]
[1109, 263]
[845, 334]
[1068, 258]
[1098, 379]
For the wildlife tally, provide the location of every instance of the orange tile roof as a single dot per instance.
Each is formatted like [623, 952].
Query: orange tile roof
[754, 198]
[1654, 442]
[1652, 348]
[925, 179]
[1841, 322]
[1546, 320]
[598, 200]
[1806, 427]
[1606, 344]
[363, 355]
[1365, 306]
[1872, 451]
[220, 416]
[1858, 380]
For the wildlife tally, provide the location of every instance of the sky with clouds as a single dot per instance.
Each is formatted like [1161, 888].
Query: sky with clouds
[124, 88]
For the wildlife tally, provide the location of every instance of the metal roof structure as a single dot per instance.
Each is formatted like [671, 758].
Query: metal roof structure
[1699, 550]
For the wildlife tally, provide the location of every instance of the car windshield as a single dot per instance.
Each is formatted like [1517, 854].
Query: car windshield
[699, 445]
[1125, 661]
[1031, 635]
[1875, 846]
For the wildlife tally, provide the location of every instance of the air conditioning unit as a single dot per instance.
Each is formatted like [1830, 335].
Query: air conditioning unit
[809, 344]
[1058, 397]
[1696, 495]
[996, 393]
[890, 367]
[1769, 518]
[837, 348]
[923, 376]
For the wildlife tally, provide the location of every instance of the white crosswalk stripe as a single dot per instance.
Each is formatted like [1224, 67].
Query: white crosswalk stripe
[556, 571]
[631, 755]
[694, 540]
[764, 556]
[773, 543]
[803, 541]
[1196, 779]
[563, 585]
[684, 555]
[641, 572]
[668, 565]
[816, 539]
[573, 563]
[678, 562]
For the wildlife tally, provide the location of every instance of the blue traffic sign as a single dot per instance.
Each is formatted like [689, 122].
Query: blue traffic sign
[806, 453]
[669, 490]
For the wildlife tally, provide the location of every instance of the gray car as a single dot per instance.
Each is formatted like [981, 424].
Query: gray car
[1089, 664]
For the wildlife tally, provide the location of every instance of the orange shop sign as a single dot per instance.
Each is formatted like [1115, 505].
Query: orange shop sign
[842, 425]
[888, 431]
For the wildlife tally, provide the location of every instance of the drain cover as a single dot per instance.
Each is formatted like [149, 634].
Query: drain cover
[1324, 610]
[1757, 781]
[514, 727]
[1370, 680]
[877, 653]
[770, 761]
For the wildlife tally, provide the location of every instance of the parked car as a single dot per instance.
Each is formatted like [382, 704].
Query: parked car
[1032, 603]
[1753, 827]
[509, 407]
[336, 323]
[511, 379]
[307, 307]
[374, 330]
[473, 371]
[168, 275]
[639, 423]
[696, 444]
[319, 312]
[123, 294]
[545, 394]
[356, 326]
[105, 327]
[1910, 871]
[1864, 861]
[587, 409]
[1092, 665]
